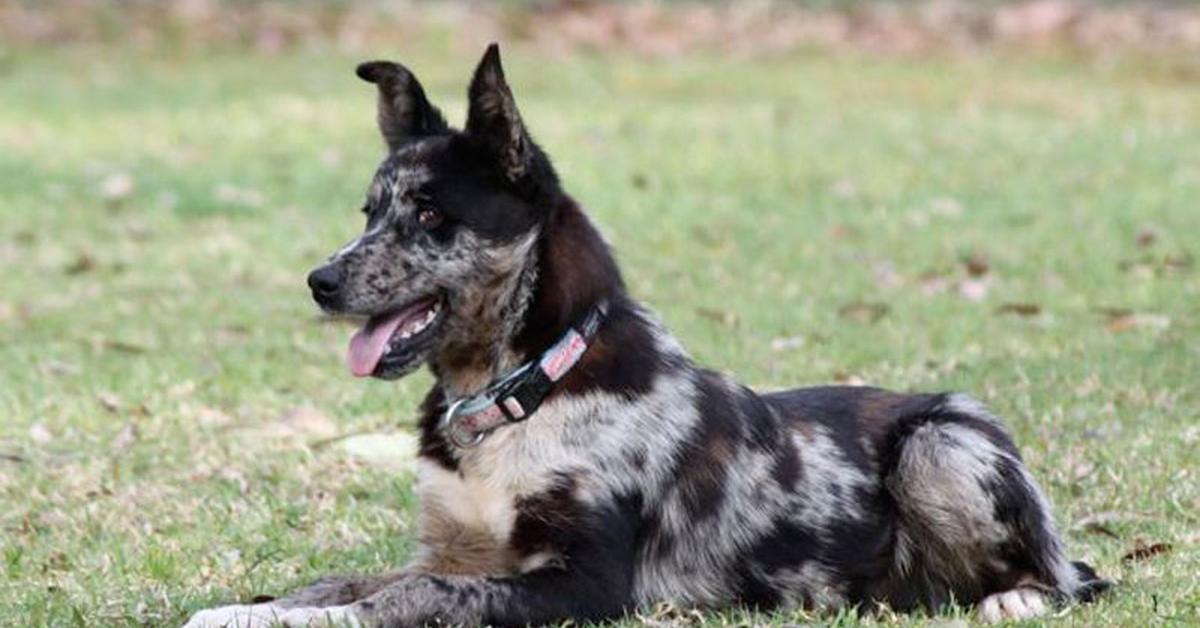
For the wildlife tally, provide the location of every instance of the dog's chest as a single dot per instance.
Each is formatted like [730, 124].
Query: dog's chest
[468, 515]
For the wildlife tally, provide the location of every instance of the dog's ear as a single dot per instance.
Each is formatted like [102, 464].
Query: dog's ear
[494, 122]
[404, 112]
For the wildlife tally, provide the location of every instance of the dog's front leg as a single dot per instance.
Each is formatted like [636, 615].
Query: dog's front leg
[590, 579]
[543, 596]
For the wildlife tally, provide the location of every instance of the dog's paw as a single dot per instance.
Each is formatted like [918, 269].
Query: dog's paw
[329, 617]
[1015, 604]
[238, 616]
[272, 616]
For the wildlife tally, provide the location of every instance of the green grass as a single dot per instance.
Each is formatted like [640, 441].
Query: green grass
[151, 347]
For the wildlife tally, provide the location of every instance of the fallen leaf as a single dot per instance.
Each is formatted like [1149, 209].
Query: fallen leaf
[389, 451]
[309, 421]
[38, 433]
[1020, 309]
[974, 290]
[1142, 550]
[848, 379]
[110, 401]
[977, 265]
[124, 439]
[946, 206]
[116, 187]
[1146, 237]
[213, 417]
[932, 283]
[1082, 470]
[82, 264]
[886, 276]
[182, 389]
[728, 319]
[863, 311]
[1101, 529]
[234, 195]
[844, 189]
[1127, 320]
[124, 346]
[1178, 263]
[54, 367]
[787, 343]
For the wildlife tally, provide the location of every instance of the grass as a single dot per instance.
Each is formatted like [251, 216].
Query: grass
[170, 403]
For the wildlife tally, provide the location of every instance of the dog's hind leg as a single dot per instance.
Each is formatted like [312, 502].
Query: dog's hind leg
[974, 527]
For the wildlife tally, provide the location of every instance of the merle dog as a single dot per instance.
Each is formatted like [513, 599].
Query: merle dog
[576, 464]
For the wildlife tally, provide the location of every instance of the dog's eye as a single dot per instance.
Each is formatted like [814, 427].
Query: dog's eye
[429, 217]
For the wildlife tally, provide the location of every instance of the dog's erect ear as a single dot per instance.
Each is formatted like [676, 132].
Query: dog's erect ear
[493, 119]
[404, 112]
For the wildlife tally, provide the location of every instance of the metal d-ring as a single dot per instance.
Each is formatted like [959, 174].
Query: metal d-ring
[453, 428]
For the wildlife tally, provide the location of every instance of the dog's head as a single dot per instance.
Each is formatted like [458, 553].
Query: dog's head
[452, 220]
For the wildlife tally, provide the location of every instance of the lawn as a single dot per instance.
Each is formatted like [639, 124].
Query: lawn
[177, 428]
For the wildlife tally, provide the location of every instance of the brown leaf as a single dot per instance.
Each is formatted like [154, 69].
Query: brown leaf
[863, 311]
[976, 264]
[1178, 263]
[109, 400]
[1142, 550]
[1146, 237]
[728, 319]
[124, 346]
[1125, 320]
[1020, 309]
[81, 265]
[1101, 529]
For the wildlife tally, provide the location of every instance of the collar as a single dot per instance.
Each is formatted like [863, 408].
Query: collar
[516, 396]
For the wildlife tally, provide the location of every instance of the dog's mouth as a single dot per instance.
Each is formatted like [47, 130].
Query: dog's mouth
[390, 343]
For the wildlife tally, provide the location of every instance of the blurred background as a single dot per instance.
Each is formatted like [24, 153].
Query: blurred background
[998, 197]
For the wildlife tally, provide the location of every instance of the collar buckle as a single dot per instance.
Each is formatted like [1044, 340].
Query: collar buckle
[517, 395]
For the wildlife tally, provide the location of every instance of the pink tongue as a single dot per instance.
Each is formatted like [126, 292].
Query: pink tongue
[368, 343]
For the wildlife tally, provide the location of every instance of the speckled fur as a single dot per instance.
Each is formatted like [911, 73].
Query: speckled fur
[644, 478]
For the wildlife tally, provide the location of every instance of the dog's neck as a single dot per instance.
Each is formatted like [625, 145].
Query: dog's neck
[565, 272]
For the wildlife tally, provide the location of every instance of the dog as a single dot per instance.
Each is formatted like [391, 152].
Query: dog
[576, 464]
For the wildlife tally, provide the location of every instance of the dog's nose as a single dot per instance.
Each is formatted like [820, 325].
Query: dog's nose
[325, 282]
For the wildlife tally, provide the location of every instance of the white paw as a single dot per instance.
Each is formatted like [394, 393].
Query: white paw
[238, 616]
[272, 616]
[330, 617]
[1021, 603]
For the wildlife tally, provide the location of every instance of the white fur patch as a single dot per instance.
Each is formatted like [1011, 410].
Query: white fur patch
[271, 616]
[237, 616]
[1016, 604]
[471, 500]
